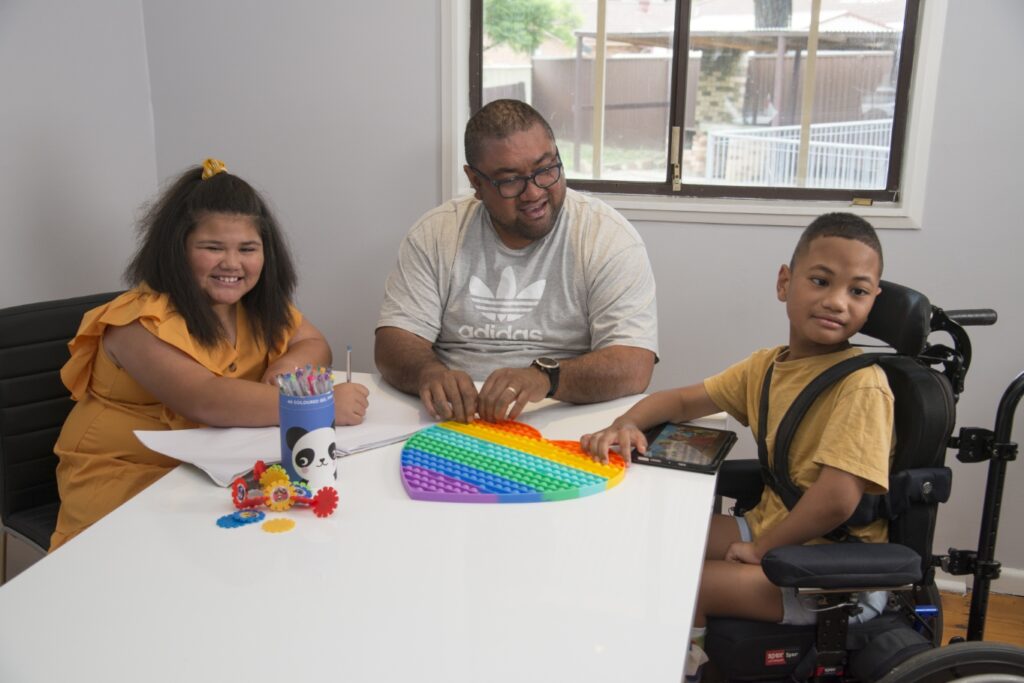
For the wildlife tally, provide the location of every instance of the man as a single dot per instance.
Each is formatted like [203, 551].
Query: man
[532, 288]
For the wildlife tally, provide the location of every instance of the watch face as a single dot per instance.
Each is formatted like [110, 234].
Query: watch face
[547, 363]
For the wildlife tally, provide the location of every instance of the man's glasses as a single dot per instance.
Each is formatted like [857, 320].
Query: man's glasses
[510, 188]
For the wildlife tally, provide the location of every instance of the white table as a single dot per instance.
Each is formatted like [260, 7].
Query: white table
[594, 589]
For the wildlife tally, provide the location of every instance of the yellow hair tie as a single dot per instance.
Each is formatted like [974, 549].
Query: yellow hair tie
[212, 167]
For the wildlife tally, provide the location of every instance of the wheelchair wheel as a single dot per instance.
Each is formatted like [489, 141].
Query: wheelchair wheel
[968, 661]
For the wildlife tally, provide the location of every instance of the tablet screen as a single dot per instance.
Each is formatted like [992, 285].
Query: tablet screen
[681, 443]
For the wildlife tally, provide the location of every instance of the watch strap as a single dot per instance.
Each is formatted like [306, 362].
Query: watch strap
[552, 373]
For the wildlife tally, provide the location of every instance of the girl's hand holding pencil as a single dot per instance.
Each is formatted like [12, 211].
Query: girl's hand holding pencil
[350, 403]
[350, 399]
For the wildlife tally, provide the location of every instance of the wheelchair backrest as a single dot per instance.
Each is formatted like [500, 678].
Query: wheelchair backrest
[918, 480]
[925, 408]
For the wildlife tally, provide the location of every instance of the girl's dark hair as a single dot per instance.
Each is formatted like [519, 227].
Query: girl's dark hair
[161, 260]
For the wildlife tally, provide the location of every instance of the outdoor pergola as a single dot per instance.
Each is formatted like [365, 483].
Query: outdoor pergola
[804, 43]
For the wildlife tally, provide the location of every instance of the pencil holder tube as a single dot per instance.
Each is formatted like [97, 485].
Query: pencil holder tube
[307, 438]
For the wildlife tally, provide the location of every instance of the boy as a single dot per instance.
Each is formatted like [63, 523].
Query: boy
[840, 452]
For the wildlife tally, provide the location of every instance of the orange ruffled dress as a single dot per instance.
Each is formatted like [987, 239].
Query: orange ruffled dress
[102, 463]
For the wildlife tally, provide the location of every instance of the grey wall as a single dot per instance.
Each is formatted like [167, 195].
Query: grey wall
[76, 145]
[333, 109]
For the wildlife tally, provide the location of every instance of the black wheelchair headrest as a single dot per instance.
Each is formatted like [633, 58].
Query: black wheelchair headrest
[901, 318]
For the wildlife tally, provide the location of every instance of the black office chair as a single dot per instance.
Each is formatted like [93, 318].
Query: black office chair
[33, 406]
[926, 381]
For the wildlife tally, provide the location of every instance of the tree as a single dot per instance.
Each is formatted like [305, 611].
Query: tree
[524, 24]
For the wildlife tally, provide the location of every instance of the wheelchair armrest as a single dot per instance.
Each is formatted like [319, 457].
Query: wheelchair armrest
[740, 479]
[842, 565]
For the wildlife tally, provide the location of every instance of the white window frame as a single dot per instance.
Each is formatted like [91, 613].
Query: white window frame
[903, 214]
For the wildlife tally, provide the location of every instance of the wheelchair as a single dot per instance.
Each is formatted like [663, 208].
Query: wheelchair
[903, 644]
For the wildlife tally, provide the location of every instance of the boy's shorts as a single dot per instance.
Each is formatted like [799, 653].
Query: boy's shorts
[800, 610]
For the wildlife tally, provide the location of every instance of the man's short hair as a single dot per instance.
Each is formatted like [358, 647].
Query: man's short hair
[847, 225]
[497, 120]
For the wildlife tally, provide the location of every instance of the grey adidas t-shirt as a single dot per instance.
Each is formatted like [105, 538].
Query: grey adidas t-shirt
[585, 286]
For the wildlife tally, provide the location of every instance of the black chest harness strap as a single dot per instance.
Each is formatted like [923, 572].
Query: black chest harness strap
[776, 473]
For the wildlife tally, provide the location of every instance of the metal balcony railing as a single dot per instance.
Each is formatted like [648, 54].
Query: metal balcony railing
[847, 155]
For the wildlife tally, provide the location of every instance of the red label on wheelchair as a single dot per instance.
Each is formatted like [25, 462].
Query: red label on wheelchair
[779, 657]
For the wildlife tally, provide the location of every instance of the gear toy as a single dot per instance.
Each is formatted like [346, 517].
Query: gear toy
[271, 487]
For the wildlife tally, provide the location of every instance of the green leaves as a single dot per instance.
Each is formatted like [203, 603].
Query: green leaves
[524, 24]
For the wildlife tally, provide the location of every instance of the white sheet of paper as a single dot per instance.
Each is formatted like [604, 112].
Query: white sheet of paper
[225, 454]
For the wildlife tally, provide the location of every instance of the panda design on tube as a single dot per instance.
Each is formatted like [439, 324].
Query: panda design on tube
[313, 455]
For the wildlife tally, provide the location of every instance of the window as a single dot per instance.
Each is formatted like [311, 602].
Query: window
[769, 99]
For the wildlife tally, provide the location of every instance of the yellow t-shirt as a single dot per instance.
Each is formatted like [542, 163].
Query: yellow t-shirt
[849, 427]
[102, 463]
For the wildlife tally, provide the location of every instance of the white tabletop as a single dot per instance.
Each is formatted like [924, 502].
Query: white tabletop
[594, 589]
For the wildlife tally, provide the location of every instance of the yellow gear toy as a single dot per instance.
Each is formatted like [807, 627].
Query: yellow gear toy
[279, 496]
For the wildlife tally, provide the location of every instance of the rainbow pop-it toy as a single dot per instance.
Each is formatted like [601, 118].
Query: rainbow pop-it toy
[503, 462]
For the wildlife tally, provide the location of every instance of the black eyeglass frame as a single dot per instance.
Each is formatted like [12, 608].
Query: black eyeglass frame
[524, 179]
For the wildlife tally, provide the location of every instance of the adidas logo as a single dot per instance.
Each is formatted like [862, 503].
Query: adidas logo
[506, 304]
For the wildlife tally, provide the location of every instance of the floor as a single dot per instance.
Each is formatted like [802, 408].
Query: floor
[1004, 619]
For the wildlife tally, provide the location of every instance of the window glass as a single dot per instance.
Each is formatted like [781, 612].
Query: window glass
[760, 121]
[558, 79]
[772, 97]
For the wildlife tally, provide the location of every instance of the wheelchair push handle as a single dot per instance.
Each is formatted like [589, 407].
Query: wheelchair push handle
[973, 316]
[956, 360]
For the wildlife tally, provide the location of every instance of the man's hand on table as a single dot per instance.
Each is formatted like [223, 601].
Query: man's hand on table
[507, 391]
[448, 394]
[451, 395]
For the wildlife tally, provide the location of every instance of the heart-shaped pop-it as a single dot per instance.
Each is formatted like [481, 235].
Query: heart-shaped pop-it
[503, 462]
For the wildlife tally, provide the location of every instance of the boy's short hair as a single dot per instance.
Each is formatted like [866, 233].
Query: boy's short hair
[839, 224]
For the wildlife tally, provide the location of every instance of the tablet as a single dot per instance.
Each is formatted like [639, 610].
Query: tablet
[686, 447]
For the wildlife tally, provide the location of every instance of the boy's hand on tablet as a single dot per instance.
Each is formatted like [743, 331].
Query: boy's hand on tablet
[624, 435]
